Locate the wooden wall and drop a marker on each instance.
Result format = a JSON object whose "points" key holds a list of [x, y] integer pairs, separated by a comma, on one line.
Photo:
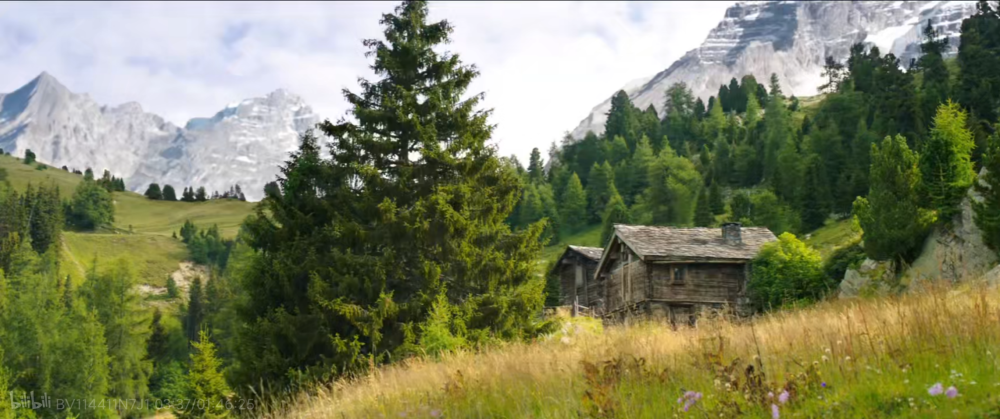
{"points": [[704, 283], [590, 292]]}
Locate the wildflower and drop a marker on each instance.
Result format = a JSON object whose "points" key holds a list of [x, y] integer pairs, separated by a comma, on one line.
{"points": [[783, 397], [770, 395], [436, 413], [689, 399], [825, 359], [935, 389], [847, 358], [775, 414], [952, 392], [823, 384]]}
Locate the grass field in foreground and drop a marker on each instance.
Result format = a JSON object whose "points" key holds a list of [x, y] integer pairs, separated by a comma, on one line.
{"points": [[839, 359]]}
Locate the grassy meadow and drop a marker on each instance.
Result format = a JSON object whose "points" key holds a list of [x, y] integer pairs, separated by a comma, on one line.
{"points": [[862, 358], [142, 230]]}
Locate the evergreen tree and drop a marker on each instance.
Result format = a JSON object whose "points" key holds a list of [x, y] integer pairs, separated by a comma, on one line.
{"points": [[672, 193], [945, 162], [201, 196], [834, 73], [535, 166], [574, 205], [619, 151], [935, 85], [715, 199], [699, 109], [723, 161], [29, 156], [207, 384], [616, 213], [411, 205], [195, 310], [892, 221], [168, 193], [156, 345], [816, 205], [153, 192], [188, 195], [978, 86], [113, 296], [622, 120], [703, 210], [90, 207], [775, 87], [753, 112], [272, 189], [600, 188], [737, 101], [987, 210], [778, 139], [88, 175]]}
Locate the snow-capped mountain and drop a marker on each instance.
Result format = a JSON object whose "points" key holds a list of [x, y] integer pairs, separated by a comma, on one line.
{"points": [[243, 144], [64, 128], [792, 40]]}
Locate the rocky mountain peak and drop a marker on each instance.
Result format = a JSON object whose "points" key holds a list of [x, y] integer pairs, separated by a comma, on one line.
{"points": [[792, 40]]}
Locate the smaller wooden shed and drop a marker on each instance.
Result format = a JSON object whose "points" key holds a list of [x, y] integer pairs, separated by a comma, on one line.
{"points": [[575, 270]]}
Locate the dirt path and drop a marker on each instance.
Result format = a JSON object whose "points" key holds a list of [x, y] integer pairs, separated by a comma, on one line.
{"points": [[72, 257]]}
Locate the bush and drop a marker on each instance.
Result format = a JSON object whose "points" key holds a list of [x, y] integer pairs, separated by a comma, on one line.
{"points": [[787, 272], [29, 156], [843, 258], [41, 167], [91, 207]]}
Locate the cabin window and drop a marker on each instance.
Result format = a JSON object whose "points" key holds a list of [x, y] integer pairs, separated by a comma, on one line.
{"points": [[679, 273], [579, 276]]}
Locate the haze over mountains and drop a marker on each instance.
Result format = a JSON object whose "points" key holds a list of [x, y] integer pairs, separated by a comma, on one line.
{"points": [[792, 40], [242, 144], [245, 142]]}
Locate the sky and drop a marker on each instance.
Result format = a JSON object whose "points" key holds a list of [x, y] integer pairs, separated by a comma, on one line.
{"points": [[544, 65]]}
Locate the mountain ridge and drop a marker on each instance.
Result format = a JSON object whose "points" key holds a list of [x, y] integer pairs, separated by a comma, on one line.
{"points": [[241, 144], [792, 40]]}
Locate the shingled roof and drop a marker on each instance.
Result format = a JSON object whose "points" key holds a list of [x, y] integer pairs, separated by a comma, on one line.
{"points": [[592, 253], [675, 243]]}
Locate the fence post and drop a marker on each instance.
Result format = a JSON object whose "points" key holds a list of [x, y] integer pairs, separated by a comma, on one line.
{"points": [[576, 306]]}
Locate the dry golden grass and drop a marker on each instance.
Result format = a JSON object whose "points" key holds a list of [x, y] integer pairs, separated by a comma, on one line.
{"points": [[847, 358]]}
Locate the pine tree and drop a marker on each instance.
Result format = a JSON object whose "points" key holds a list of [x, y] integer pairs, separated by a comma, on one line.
{"points": [[113, 296], [622, 120], [715, 199], [987, 210], [195, 310], [642, 158], [168, 193], [412, 204], [156, 345], [600, 188], [775, 87], [723, 161], [574, 205], [201, 196], [616, 213], [703, 210], [834, 73], [153, 192], [892, 221], [619, 151], [753, 112], [945, 162], [815, 198], [207, 384], [535, 166], [936, 80]]}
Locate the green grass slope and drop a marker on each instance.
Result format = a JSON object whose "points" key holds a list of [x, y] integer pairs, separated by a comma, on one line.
{"points": [[142, 229]]}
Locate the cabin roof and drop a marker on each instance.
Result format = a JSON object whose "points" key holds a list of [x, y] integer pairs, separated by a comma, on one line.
{"points": [[699, 243], [592, 253]]}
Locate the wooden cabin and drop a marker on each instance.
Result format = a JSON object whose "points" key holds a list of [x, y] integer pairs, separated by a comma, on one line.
{"points": [[676, 273], [575, 270]]}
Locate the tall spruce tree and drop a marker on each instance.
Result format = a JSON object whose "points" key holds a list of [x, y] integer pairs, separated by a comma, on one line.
{"points": [[573, 210], [935, 86], [411, 206], [623, 119], [207, 384], [535, 166], [600, 188], [945, 163], [987, 209], [703, 210], [616, 213], [892, 221]]}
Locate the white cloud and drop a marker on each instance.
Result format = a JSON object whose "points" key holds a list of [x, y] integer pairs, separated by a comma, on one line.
{"points": [[544, 65]]}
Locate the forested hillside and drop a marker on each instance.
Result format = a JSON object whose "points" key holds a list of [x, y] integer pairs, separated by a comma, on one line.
{"points": [[400, 233]]}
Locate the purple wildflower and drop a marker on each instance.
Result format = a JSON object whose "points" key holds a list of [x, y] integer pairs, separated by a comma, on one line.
{"points": [[689, 399], [823, 384], [783, 397], [770, 395], [935, 389], [952, 392], [775, 413]]}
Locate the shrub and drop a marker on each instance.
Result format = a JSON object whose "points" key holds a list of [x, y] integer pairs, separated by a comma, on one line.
{"points": [[786, 272], [29, 156], [91, 207], [172, 290]]}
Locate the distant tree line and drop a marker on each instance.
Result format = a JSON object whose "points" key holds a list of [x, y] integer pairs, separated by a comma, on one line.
{"points": [[189, 194]]}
